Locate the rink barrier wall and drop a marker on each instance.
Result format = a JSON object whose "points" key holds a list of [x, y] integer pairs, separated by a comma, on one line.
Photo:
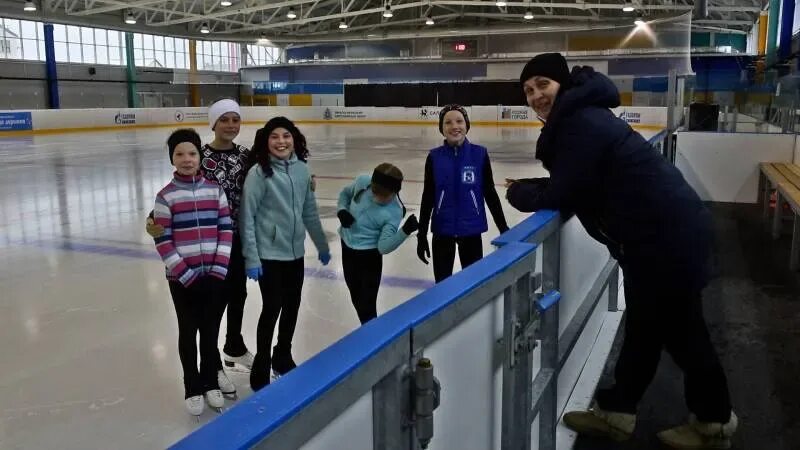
{"points": [[724, 167], [490, 358], [92, 120], [531, 310]]}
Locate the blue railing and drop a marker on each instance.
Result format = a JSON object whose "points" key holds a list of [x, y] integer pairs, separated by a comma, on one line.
{"points": [[252, 419]]}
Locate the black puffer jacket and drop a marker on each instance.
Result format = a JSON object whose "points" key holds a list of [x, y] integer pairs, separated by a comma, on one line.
{"points": [[624, 193]]}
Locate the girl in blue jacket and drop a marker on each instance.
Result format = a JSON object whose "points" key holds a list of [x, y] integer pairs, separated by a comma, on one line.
{"points": [[370, 212], [458, 179], [278, 207]]}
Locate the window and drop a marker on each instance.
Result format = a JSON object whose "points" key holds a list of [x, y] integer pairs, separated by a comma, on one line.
{"points": [[158, 51], [61, 52], [30, 49], [218, 56], [10, 40], [259, 55], [22, 39], [59, 33]]}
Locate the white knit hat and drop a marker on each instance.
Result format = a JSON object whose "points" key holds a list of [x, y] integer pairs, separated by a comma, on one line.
{"points": [[221, 108]]}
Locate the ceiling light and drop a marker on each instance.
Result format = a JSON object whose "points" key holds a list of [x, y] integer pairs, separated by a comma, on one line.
{"points": [[500, 3], [628, 7], [429, 21], [639, 19], [225, 3], [130, 19], [204, 28], [29, 6], [342, 25], [388, 13], [528, 15], [291, 14], [263, 40]]}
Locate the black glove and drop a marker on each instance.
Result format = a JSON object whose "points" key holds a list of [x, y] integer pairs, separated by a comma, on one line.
{"points": [[345, 218], [423, 249], [411, 225]]}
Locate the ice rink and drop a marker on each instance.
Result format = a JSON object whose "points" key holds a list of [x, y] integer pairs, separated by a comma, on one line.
{"points": [[87, 329]]}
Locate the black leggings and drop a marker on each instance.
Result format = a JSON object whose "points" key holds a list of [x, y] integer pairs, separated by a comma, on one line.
{"points": [[362, 273], [235, 295], [199, 309], [281, 287], [470, 250]]}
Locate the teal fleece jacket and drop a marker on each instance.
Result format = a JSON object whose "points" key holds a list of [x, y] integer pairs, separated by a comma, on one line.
{"points": [[277, 211], [376, 225]]}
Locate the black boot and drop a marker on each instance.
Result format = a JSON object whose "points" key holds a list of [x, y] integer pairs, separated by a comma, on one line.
{"points": [[259, 374], [282, 362]]}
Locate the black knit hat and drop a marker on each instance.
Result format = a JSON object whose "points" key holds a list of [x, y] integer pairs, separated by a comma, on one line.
{"points": [[452, 107], [550, 65], [182, 135]]}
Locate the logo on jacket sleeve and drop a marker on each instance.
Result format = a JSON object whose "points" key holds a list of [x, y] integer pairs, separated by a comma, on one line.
{"points": [[468, 175]]}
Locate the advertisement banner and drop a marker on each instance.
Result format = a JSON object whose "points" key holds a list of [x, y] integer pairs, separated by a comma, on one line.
{"points": [[517, 113], [344, 114], [12, 121], [190, 116]]}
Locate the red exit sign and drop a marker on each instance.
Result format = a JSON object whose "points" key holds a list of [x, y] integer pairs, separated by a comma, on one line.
{"points": [[460, 47]]}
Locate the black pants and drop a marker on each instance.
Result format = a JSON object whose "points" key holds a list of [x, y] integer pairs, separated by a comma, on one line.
{"points": [[670, 318], [281, 286], [235, 295], [362, 273], [199, 309], [470, 250]]}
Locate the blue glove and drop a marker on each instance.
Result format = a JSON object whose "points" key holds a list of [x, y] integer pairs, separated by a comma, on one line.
{"points": [[255, 273], [325, 258]]}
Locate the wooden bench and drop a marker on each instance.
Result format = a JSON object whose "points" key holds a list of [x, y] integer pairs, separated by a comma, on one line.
{"points": [[784, 179]]}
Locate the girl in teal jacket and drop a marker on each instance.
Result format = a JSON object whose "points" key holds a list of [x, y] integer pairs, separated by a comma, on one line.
{"points": [[370, 212], [278, 208]]}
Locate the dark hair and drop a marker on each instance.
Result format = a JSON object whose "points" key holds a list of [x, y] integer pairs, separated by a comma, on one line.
{"points": [[391, 176], [259, 152], [386, 180], [452, 107], [180, 136]]}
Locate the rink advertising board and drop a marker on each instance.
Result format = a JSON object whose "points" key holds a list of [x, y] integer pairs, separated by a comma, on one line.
{"points": [[74, 120], [16, 121]]}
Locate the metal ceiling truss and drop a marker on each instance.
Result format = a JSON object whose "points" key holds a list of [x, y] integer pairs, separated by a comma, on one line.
{"points": [[247, 20]]}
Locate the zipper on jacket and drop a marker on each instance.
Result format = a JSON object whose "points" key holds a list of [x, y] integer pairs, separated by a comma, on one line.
{"points": [[441, 197], [456, 167], [197, 221], [294, 216], [474, 202]]}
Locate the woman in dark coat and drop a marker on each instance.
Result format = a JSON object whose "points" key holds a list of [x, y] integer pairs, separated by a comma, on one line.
{"points": [[630, 199]]}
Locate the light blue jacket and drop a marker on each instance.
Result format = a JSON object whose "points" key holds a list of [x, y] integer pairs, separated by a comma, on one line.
{"points": [[277, 211], [376, 225]]}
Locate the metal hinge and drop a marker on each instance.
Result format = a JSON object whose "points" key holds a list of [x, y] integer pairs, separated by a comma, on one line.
{"points": [[426, 392]]}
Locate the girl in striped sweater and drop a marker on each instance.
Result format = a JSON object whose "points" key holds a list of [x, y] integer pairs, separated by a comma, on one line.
{"points": [[196, 249]]}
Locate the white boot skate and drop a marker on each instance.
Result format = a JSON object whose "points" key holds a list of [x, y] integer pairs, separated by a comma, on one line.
{"points": [[215, 399], [245, 362], [195, 406], [226, 385]]}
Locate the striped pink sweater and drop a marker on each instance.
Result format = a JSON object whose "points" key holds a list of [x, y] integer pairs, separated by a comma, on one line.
{"points": [[197, 229]]}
